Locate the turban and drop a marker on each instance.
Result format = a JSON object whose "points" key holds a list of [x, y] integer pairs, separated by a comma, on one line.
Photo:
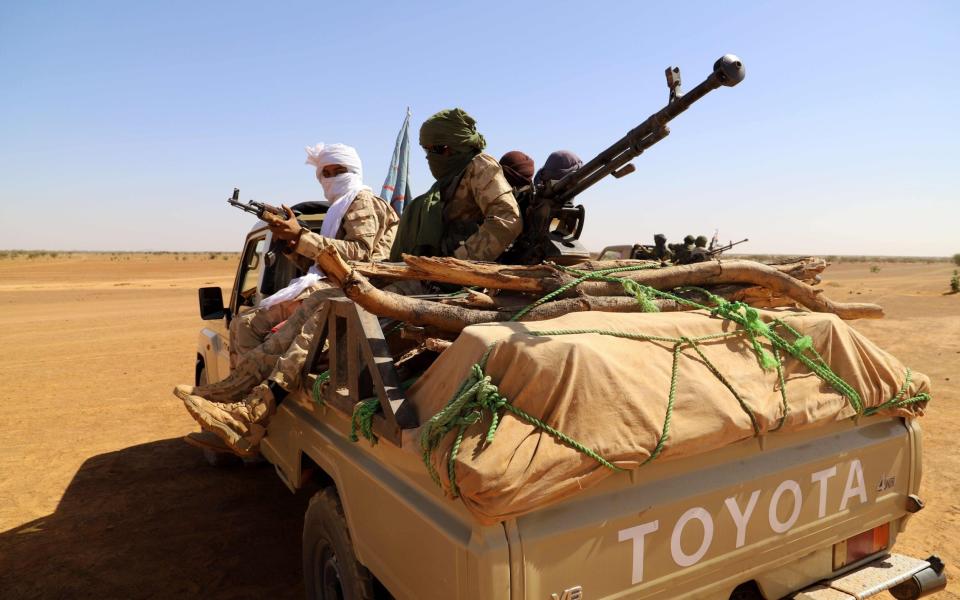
{"points": [[454, 128], [517, 168], [322, 155], [457, 130], [340, 191], [557, 166]]}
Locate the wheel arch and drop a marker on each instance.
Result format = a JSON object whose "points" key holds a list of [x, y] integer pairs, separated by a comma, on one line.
{"points": [[198, 370]]}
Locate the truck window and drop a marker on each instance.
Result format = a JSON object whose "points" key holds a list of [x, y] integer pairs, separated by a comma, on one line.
{"points": [[279, 271], [610, 255], [250, 273]]}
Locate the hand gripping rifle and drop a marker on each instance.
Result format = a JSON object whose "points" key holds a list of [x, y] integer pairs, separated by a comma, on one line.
{"points": [[552, 224]]}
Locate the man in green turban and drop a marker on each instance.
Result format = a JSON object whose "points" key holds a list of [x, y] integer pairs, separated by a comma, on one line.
{"points": [[470, 212]]}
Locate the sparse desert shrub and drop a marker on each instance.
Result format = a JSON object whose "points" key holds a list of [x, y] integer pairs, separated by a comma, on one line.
{"points": [[956, 259], [874, 269], [213, 256], [54, 254], [955, 282], [225, 257]]}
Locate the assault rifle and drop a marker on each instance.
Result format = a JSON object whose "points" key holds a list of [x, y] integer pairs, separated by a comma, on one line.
{"points": [[552, 224], [255, 208]]}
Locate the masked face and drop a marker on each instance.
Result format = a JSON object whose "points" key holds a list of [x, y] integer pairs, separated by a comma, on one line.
{"points": [[448, 162], [337, 186]]}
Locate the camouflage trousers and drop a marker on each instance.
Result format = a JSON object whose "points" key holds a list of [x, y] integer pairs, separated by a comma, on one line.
{"points": [[282, 355], [250, 329]]}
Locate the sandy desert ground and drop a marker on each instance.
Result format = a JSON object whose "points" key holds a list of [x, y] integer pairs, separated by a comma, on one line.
{"points": [[100, 498]]}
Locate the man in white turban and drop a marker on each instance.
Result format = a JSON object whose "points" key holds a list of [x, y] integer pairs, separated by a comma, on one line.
{"points": [[361, 227], [358, 224]]}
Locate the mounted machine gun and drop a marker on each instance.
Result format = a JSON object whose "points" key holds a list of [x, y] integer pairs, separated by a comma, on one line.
{"points": [[552, 224]]}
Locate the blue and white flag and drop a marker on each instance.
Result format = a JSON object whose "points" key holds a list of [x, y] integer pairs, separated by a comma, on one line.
{"points": [[396, 187]]}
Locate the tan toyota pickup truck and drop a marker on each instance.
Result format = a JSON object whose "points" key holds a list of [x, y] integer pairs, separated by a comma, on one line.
{"points": [[811, 515]]}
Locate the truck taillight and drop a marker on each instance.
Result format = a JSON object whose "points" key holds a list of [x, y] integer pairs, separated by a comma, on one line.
{"points": [[860, 546]]}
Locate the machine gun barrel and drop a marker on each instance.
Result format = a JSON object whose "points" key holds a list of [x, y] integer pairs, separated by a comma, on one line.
{"points": [[722, 249], [728, 71]]}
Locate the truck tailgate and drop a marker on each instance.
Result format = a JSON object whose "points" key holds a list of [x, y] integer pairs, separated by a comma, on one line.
{"points": [[699, 526]]}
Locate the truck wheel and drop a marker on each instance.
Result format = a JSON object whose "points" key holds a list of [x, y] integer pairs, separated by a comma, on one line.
{"points": [[330, 568]]}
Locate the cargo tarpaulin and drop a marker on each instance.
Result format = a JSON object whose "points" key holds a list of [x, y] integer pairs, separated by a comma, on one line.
{"points": [[607, 386]]}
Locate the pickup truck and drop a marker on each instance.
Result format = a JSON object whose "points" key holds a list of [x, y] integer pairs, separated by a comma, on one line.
{"points": [[811, 515]]}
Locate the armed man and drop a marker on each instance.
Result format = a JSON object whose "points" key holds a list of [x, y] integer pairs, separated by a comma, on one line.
{"points": [[360, 226], [658, 251], [470, 212], [361, 229], [699, 252], [519, 168]]}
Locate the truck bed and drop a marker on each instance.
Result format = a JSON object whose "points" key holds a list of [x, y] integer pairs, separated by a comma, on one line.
{"points": [[767, 510]]}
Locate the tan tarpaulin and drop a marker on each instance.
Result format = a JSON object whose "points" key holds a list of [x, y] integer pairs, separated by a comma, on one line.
{"points": [[611, 394]]}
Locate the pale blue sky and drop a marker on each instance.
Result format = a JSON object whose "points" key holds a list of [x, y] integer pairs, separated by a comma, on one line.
{"points": [[125, 125]]}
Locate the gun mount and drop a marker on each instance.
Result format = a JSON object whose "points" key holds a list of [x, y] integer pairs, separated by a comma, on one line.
{"points": [[552, 224]]}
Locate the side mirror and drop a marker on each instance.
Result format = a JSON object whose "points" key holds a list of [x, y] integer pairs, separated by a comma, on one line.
{"points": [[211, 304]]}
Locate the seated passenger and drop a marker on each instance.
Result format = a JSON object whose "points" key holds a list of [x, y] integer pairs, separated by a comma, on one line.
{"points": [[518, 168], [360, 226], [557, 166], [357, 223], [470, 211]]}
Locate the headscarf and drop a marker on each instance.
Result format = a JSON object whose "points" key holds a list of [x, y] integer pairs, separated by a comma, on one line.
{"points": [[518, 168], [457, 130], [340, 191], [557, 166]]}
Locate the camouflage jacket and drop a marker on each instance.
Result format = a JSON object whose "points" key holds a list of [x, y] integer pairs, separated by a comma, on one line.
{"points": [[366, 232], [481, 218]]}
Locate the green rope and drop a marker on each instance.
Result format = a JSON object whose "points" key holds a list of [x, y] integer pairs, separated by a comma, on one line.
{"points": [[362, 420], [603, 274], [716, 373], [783, 390], [364, 411], [317, 384], [899, 401], [671, 396], [748, 318], [478, 398]]}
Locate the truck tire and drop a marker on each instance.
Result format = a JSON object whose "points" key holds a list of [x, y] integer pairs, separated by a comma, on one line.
{"points": [[330, 568]]}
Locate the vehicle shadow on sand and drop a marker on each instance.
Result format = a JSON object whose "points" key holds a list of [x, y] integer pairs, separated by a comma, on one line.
{"points": [[155, 521]]}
